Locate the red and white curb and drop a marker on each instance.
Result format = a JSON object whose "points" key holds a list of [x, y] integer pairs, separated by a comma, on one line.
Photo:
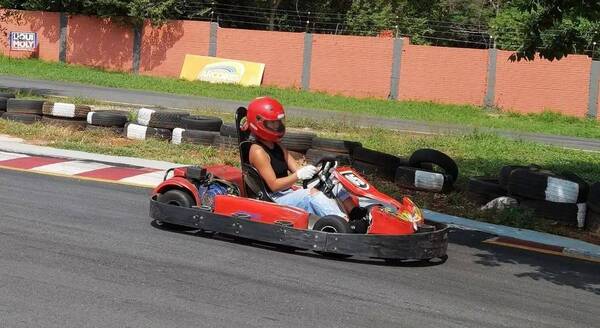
{"points": [[138, 176]]}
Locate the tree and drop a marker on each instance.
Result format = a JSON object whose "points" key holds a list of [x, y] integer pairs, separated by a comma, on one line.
{"points": [[367, 17]]}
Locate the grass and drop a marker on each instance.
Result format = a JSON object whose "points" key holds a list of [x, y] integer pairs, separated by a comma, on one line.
{"points": [[547, 122], [475, 154]]}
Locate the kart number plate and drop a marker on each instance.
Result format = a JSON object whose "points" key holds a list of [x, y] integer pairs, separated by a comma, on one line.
{"points": [[360, 183]]}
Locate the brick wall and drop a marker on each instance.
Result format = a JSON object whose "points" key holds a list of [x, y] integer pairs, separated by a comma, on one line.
{"points": [[532, 87], [99, 42], [445, 75], [281, 52], [351, 65], [164, 48], [47, 26]]}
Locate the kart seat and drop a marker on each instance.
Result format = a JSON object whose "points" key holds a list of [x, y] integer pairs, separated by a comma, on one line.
{"points": [[253, 184]]}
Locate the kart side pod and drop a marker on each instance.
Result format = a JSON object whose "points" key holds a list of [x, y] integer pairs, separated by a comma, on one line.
{"points": [[260, 211]]}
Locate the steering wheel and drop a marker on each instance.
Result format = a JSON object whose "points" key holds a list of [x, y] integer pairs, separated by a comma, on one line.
{"points": [[322, 178]]}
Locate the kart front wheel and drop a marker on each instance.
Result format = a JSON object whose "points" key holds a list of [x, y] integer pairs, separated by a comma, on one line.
{"points": [[332, 224], [175, 197]]}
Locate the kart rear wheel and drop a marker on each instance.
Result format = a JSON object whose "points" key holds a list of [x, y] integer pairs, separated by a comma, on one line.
{"points": [[175, 197]]}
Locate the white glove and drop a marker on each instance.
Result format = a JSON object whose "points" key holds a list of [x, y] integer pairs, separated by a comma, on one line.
{"points": [[306, 172]]}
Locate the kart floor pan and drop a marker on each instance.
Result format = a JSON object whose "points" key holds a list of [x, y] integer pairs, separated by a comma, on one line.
{"points": [[418, 246]]}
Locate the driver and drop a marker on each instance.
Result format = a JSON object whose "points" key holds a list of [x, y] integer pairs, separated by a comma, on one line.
{"points": [[279, 170]]}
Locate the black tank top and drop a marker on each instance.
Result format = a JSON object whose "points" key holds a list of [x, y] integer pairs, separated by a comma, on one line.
{"points": [[278, 162]]}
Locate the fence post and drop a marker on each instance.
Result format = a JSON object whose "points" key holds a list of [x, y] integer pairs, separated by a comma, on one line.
{"points": [[212, 46], [137, 48], [490, 93], [593, 89], [62, 41], [307, 59], [396, 62]]}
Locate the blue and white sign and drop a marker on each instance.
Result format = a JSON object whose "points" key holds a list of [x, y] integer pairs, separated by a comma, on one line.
{"points": [[23, 41]]}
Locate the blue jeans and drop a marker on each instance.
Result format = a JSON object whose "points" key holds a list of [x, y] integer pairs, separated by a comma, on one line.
{"points": [[317, 203]]}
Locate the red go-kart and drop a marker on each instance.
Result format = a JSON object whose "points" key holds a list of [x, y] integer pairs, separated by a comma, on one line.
{"points": [[235, 202]]}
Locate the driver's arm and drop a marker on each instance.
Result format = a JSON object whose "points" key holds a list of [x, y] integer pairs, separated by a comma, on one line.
{"points": [[291, 162], [261, 161]]}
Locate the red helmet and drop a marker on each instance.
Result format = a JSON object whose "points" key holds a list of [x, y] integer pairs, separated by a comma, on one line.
{"points": [[266, 119]]}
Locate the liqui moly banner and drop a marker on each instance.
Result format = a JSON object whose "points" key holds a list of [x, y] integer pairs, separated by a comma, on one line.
{"points": [[23, 41]]}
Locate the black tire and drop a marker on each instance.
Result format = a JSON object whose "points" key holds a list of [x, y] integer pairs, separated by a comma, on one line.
{"points": [[505, 172], [113, 129], [107, 119], [3, 104], [593, 200], [65, 110], [22, 118], [485, 189], [422, 156], [313, 156], [544, 185], [226, 142], [298, 141], [369, 169], [24, 106], [568, 213], [206, 138], [201, 123], [7, 95], [592, 221], [386, 163], [419, 179], [176, 197], [160, 118], [65, 122], [140, 132], [229, 130], [332, 224], [335, 145]]}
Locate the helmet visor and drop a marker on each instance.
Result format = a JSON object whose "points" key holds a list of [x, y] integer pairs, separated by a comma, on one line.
{"points": [[277, 126]]}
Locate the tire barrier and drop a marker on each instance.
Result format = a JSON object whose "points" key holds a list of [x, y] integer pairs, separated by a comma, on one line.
{"points": [[228, 130], [142, 132], [423, 158], [313, 156], [206, 138], [160, 118], [20, 106], [485, 189], [202, 123], [7, 95], [298, 141], [3, 101], [334, 145], [420, 179], [385, 164], [107, 119], [547, 186], [65, 110]]}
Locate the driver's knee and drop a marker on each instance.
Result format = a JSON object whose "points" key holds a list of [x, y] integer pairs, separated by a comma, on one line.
{"points": [[313, 191]]}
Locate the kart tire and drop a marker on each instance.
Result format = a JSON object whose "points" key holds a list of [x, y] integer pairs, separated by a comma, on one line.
{"points": [[201, 123], [3, 104], [422, 156], [229, 130], [24, 106], [141, 132], [206, 138], [484, 189], [505, 172], [546, 186], [113, 129], [7, 95], [175, 197], [332, 224], [298, 141], [335, 145], [313, 156], [386, 163], [593, 200], [419, 179], [65, 110], [107, 119], [22, 118], [73, 123], [569, 213], [160, 118]]}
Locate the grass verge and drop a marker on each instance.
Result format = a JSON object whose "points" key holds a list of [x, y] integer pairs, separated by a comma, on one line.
{"points": [[475, 154], [548, 122]]}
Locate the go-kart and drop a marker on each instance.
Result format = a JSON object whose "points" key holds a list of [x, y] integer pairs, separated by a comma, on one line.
{"points": [[234, 202]]}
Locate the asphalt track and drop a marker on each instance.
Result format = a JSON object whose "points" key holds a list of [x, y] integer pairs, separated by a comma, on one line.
{"points": [[56, 88], [84, 254]]}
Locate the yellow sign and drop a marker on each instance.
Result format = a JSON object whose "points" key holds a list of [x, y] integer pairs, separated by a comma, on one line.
{"points": [[219, 70]]}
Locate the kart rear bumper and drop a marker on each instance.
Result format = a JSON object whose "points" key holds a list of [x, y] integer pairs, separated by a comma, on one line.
{"points": [[418, 246]]}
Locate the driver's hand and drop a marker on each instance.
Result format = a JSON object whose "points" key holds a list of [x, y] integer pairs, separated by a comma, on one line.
{"points": [[306, 172]]}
